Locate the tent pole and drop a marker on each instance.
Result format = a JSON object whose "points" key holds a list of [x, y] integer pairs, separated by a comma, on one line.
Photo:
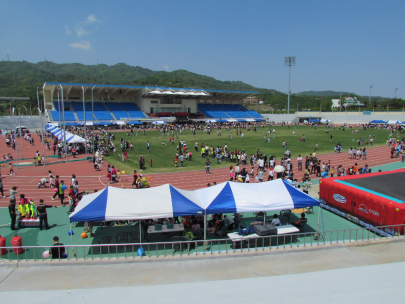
{"points": [[319, 217], [205, 231], [140, 232], [71, 238]]}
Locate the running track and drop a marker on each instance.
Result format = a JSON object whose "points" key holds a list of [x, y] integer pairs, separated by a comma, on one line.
{"points": [[27, 177]]}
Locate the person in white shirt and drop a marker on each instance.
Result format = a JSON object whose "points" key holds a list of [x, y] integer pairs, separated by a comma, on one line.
{"points": [[276, 220]]}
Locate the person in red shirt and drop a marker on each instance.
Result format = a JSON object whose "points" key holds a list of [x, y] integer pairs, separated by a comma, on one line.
{"points": [[355, 170], [175, 162], [72, 193]]}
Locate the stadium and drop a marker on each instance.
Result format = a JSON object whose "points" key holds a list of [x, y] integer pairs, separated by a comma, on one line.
{"points": [[114, 104]]}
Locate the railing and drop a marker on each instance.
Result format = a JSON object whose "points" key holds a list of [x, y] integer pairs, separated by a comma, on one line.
{"points": [[209, 247]]}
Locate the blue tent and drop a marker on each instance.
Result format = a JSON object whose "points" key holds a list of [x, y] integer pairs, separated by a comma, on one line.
{"points": [[241, 119], [113, 204], [378, 122], [233, 197], [135, 122]]}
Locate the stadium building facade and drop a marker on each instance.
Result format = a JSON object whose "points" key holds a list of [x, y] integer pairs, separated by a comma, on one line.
{"points": [[103, 104]]}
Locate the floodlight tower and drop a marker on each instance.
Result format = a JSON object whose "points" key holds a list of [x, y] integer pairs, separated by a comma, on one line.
{"points": [[289, 61]]}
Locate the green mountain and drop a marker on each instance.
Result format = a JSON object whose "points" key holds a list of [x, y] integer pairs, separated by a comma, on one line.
{"points": [[21, 79]]}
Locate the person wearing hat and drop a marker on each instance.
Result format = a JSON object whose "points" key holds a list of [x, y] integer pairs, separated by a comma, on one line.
{"points": [[56, 251]]}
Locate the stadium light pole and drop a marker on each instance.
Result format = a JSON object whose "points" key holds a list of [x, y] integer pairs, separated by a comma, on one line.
{"points": [[369, 95], [63, 116], [59, 108], [92, 117], [15, 139], [289, 61], [38, 98], [85, 126], [19, 116], [396, 93]]}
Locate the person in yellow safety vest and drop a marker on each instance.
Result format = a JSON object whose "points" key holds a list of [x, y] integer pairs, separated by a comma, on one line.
{"points": [[27, 208], [32, 208], [22, 209]]}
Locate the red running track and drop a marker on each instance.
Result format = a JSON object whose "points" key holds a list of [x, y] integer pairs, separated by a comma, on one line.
{"points": [[27, 177]]}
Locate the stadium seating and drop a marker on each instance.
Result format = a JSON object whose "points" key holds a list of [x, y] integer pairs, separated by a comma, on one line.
{"points": [[132, 110], [101, 112], [225, 111], [69, 115], [117, 110], [78, 107]]}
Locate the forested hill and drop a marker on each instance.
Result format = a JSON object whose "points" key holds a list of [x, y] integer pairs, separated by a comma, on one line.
{"points": [[21, 78]]}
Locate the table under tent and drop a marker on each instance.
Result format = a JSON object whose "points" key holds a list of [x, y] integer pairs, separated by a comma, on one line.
{"points": [[166, 201]]}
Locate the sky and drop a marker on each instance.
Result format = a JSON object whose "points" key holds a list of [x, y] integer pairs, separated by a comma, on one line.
{"points": [[339, 45]]}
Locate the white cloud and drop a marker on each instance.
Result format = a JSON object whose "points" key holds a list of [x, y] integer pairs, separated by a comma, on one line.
{"points": [[91, 19], [80, 31], [84, 45], [166, 67], [67, 31]]}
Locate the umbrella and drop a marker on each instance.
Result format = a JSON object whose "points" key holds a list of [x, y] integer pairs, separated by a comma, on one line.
{"points": [[279, 168]]}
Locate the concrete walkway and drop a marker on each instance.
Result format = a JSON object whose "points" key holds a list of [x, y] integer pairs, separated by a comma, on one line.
{"points": [[365, 274]]}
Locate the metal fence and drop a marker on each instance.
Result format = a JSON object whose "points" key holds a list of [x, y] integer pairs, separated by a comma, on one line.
{"points": [[204, 248]]}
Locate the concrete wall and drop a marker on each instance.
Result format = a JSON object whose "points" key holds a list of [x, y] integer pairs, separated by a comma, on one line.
{"points": [[32, 123], [354, 117], [287, 118]]}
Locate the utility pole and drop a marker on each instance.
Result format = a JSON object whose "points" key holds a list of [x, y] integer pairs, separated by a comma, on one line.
{"points": [[15, 139], [64, 127], [85, 126], [289, 61], [369, 96], [92, 117], [21, 136]]}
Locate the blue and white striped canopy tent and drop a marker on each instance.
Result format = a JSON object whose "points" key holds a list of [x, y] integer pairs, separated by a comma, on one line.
{"points": [[54, 131], [70, 138], [231, 197], [49, 125], [158, 122], [113, 204], [51, 128]]}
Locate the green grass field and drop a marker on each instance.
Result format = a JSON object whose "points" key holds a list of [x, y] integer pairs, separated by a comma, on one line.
{"points": [[163, 156]]}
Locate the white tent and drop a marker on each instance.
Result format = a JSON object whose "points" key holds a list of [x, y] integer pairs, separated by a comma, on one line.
{"points": [[393, 122], [112, 204]]}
